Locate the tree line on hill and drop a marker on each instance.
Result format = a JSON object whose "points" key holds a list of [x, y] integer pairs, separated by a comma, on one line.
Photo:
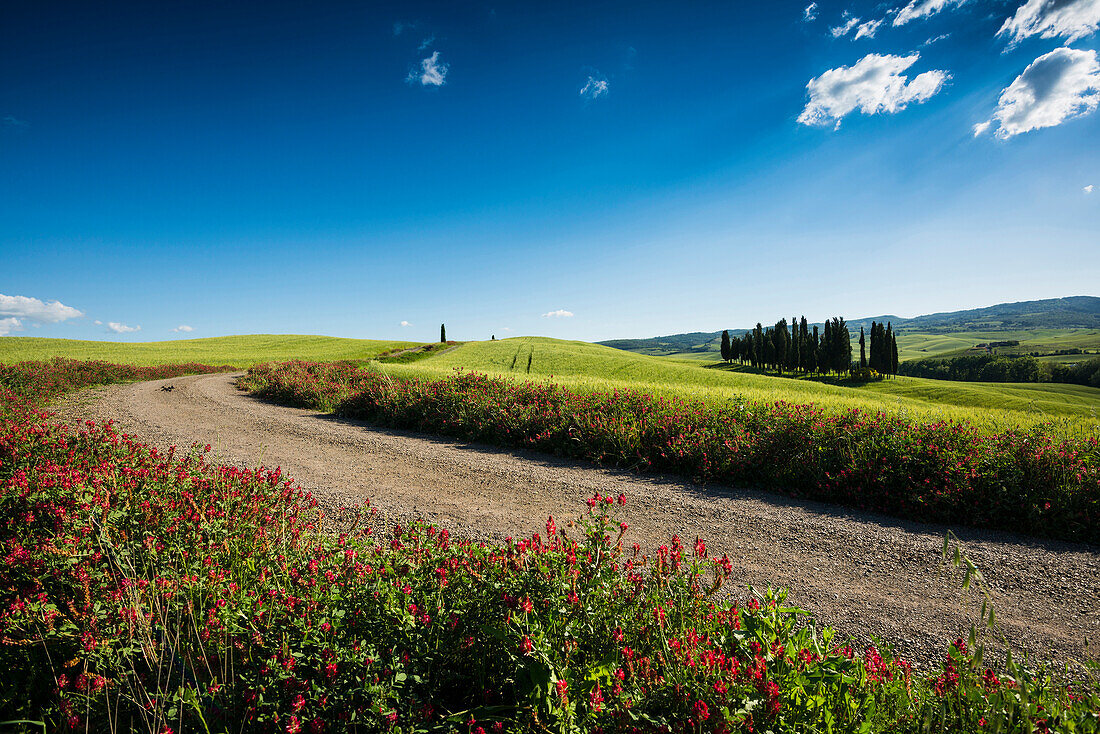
{"points": [[797, 347], [1004, 368]]}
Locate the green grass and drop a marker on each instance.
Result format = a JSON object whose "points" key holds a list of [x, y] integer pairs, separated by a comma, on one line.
{"points": [[584, 365], [921, 346], [242, 351]]}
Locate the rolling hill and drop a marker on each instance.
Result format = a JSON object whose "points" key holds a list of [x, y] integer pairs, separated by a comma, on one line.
{"points": [[1045, 325]]}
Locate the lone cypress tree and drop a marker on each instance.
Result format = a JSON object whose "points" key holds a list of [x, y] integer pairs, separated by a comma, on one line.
{"points": [[862, 350], [442, 333], [725, 346]]}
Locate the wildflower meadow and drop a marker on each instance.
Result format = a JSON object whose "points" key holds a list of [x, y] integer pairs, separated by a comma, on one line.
{"points": [[153, 590]]}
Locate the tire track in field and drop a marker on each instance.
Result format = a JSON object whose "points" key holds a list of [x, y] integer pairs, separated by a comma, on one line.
{"points": [[865, 574]]}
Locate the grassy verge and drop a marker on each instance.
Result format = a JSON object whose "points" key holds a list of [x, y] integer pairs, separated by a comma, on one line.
{"points": [[147, 591]]}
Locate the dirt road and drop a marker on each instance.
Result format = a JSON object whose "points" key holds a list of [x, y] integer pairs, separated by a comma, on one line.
{"points": [[865, 574]]}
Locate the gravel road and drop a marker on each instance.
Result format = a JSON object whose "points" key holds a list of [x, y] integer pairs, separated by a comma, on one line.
{"points": [[865, 574]]}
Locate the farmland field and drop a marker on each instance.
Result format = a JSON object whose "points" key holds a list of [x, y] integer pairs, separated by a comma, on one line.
{"points": [[236, 350], [583, 365]]}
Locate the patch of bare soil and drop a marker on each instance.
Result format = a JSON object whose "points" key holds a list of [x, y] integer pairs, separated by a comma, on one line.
{"points": [[862, 573]]}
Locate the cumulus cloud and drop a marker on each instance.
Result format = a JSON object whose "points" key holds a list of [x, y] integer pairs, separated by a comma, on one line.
{"points": [[867, 30], [873, 84], [405, 323], [432, 72], [1069, 19], [11, 324], [848, 24], [810, 13], [981, 127], [1055, 87], [184, 328], [917, 9], [1087, 189], [561, 313], [121, 328], [595, 87], [32, 309]]}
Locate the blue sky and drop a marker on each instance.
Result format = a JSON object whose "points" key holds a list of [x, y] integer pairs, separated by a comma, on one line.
{"points": [[584, 171]]}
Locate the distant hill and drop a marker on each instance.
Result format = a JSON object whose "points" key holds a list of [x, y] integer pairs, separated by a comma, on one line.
{"points": [[1074, 312]]}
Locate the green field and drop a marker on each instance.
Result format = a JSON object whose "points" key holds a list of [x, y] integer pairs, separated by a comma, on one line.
{"points": [[241, 351], [584, 365], [921, 346]]}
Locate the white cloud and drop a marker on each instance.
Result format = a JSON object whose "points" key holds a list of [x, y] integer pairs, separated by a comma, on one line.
{"points": [[1071, 19], [867, 29], [981, 127], [121, 328], [405, 323], [184, 327], [594, 87], [848, 24], [507, 328], [35, 310], [1087, 189], [561, 313], [97, 322], [937, 39], [11, 324], [426, 43], [873, 84], [400, 27], [917, 9], [1055, 87], [810, 13], [432, 72]]}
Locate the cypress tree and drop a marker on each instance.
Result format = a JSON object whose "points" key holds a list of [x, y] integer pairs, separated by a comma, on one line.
{"points": [[824, 358], [862, 350], [873, 361], [758, 344], [893, 354], [442, 333], [815, 353], [844, 347], [726, 346], [887, 350], [804, 346], [793, 351], [781, 339]]}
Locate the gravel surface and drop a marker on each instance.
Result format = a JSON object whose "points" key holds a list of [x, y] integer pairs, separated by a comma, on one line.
{"points": [[863, 573]]}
